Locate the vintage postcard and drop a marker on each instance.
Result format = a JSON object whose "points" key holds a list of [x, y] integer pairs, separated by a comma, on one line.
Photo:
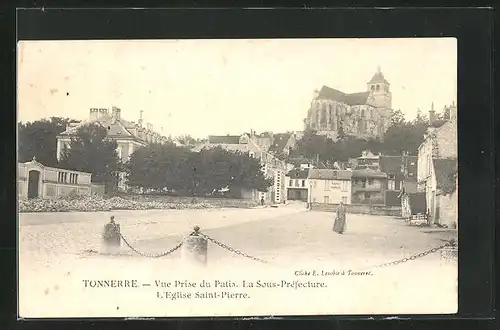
{"points": [[243, 178]]}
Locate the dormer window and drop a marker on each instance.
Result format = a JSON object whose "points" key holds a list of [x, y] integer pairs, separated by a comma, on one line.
{"points": [[391, 176], [244, 139]]}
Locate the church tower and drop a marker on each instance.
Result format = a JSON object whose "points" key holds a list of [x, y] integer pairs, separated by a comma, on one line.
{"points": [[380, 93]]}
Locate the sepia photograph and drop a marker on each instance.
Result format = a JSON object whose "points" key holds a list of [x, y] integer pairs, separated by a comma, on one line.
{"points": [[237, 177]]}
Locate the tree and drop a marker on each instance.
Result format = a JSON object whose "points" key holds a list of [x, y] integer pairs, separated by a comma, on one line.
{"points": [[158, 167], [189, 173], [39, 139], [398, 118], [187, 140], [91, 151]]}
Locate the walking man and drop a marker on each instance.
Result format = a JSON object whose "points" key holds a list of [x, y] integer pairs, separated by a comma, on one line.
{"points": [[339, 225]]}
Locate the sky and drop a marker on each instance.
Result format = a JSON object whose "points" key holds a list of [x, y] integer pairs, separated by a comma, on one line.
{"points": [[219, 87]]}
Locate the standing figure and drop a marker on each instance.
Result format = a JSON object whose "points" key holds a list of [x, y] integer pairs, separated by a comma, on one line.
{"points": [[111, 233], [339, 225], [262, 201]]}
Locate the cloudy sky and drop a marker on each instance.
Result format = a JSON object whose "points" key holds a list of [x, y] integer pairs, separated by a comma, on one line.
{"points": [[203, 87]]}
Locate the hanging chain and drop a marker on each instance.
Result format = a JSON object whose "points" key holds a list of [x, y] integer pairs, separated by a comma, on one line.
{"points": [[419, 255], [450, 243], [233, 250], [151, 255]]}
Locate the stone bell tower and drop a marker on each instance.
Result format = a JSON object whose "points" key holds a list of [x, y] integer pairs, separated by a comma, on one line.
{"points": [[380, 93]]}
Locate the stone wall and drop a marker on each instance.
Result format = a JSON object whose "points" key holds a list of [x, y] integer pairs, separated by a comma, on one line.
{"points": [[394, 211]]}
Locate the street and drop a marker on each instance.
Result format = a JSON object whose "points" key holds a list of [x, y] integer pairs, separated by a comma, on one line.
{"points": [[53, 245], [269, 233]]}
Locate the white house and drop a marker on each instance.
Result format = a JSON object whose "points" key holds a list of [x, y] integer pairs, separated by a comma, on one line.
{"points": [[328, 186], [36, 180], [128, 135], [297, 184], [437, 161]]}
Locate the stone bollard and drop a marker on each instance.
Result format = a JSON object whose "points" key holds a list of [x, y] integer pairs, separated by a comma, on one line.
{"points": [[111, 237], [194, 249]]}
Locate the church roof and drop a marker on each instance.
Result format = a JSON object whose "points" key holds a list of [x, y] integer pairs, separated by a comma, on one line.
{"points": [[378, 77], [328, 93]]}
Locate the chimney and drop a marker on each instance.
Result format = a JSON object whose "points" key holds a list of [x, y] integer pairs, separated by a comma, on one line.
{"points": [[116, 113], [140, 118], [453, 111], [102, 112], [93, 114], [432, 115]]}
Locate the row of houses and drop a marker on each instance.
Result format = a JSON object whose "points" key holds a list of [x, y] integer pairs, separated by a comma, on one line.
{"points": [[424, 186], [371, 179]]}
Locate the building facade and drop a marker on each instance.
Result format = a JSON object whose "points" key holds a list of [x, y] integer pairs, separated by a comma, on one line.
{"points": [[297, 184], [363, 115], [368, 187], [437, 154], [128, 135], [328, 186], [38, 181]]}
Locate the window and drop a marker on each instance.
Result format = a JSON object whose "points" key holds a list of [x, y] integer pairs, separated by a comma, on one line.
{"points": [[344, 199], [391, 176], [391, 185], [327, 200], [119, 152], [290, 183], [367, 195], [297, 184], [303, 183], [370, 182], [345, 185], [327, 186]]}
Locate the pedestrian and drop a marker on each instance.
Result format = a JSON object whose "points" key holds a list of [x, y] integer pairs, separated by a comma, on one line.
{"points": [[339, 225], [262, 201]]}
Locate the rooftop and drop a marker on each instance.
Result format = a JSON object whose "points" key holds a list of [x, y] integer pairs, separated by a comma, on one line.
{"points": [[328, 93], [279, 142], [224, 139], [329, 174], [298, 174]]}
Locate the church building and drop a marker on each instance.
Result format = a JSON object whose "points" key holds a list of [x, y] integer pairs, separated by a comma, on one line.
{"points": [[363, 115]]}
